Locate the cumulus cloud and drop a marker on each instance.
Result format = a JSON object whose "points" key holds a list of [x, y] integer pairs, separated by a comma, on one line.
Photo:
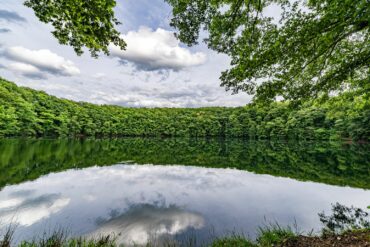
{"points": [[150, 50], [4, 30], [186, 95], [26, 70], [11, 16], [38, 63]]}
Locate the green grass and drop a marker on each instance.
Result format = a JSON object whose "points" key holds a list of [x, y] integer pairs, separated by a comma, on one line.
{"points": [[7, 237], [59, 239], [268, 236], [274, 234], [239, 241]]}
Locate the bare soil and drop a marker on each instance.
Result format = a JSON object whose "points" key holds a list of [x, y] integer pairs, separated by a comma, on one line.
{"points": [[349, 239]]}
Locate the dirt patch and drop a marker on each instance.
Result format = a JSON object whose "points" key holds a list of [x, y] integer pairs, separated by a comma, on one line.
{"points": [[350, 239]]}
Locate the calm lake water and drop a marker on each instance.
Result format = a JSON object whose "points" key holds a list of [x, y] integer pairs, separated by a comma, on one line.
{"points": [[144, 189]]}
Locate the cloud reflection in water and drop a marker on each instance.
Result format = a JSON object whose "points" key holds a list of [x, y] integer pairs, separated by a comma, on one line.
{"points": [[24, 210], [144, 222], [142, 201]]}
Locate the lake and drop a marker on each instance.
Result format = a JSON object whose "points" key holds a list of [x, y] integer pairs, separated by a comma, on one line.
{"points": [[156, 189]]}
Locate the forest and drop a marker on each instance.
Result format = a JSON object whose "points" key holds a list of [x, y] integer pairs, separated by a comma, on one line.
{"points": [[30, 113]]}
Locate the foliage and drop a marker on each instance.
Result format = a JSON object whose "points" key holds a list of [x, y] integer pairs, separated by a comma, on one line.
{"points": [[274, 234], [80, 24], [339, 164], [344, 218], [316, 47], [27, 112], [60, 239], [239, 241]]}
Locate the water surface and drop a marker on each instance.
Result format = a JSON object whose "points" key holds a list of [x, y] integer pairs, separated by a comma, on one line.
{"points": [[145, 189]]}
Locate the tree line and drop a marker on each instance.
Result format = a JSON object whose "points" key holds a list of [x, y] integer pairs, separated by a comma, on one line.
{"points": [[28, 112]]}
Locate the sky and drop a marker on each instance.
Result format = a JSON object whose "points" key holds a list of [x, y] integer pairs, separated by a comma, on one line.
{"points": [[156, 70]]}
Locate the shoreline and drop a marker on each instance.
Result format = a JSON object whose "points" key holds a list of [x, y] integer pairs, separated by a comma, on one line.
{"points": [[272, 236]]}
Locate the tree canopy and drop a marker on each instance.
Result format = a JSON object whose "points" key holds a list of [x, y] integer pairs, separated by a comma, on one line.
{"points": [[27, 112], [81, 23], [316, 47]]}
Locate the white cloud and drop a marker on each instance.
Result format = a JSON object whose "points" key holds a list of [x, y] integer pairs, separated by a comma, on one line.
{"points": [[184, 94], [35, 63], [26, 70], [5, 30], [156, 50], [11, 16], [99, 76], [103, 81]]}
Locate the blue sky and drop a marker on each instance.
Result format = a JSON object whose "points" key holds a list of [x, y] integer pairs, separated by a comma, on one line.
{"points": [[155, 71]]}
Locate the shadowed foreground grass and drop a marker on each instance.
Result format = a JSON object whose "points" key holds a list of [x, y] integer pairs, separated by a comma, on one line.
{"points": [[269, 236], [59, 238]]}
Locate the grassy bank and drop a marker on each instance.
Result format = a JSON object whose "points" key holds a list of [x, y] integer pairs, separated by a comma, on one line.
{"points": [[359, 238], [268, 237]]}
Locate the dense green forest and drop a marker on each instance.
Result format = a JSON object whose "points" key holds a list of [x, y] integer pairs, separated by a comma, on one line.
{"points": [[27, 112], [340, 164]]}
